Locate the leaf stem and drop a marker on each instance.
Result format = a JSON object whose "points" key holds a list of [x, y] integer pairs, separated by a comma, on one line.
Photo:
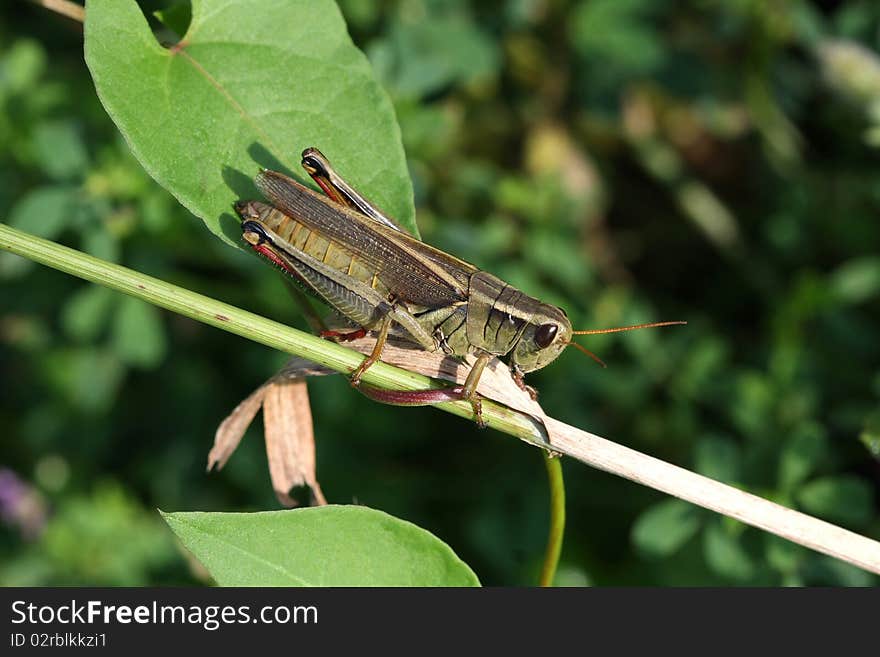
{"points": [[557, 518], [65, 8]]}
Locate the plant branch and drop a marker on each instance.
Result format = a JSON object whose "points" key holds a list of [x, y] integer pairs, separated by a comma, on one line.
{"points": [[581, 445], [557, 519], [246, 324], [65, 8]]}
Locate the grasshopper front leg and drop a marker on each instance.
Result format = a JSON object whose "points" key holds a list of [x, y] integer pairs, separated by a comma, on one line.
{"points": [[398, 313], [375, 355], [517, 374]]}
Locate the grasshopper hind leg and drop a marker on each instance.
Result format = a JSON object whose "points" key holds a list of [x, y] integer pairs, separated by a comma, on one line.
{"points": [[344, 336], [466, 392]]}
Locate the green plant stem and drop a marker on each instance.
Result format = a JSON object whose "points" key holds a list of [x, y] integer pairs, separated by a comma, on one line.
{"points": [[571, 441], [553, 462], [251, 326]]}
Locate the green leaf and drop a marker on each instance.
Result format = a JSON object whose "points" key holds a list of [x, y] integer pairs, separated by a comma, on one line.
{"points": [[871, 440], [105, 538], [23, 65], [101, 244], [87, 378], [870, 437], [618, 33], [783, 555], [857, 280], [248, 86], [801, 455], [725, 555], [845, 498], [86, 312], [422, 57], [44, 212], [321, 546], [718, 458], [60, 150], [138, 336], [665, 527], [833, 572]]}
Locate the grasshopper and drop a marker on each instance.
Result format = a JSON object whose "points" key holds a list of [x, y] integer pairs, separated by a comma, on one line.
{"points": [[363, 264]]}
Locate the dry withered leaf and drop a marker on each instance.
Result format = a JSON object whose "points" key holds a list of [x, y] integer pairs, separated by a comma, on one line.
{"points": [[231, 430], [287, 417], [290, 438]]}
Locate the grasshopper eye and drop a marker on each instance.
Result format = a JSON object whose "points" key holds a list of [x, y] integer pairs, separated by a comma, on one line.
{"points": [[545, 334]]}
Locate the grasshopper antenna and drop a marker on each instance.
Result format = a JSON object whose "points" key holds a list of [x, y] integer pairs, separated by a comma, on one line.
{"points": [[589, 353], [618, 329]]}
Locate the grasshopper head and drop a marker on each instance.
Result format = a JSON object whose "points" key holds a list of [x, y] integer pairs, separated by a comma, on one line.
{"points": [[547, 334]]}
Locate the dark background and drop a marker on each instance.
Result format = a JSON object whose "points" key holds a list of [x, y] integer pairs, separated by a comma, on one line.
{"points": [[629, 160]]}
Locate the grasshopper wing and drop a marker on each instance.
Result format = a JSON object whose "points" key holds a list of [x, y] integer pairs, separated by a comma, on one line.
{"points": [[412, 270]]}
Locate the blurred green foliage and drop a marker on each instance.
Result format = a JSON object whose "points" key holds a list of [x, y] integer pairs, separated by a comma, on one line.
{"points": [[629, 160]]}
